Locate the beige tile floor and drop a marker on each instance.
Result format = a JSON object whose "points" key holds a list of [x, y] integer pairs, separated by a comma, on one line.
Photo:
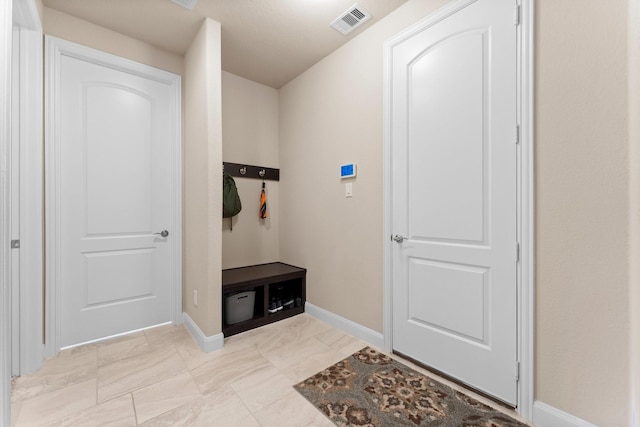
{"points": [[160, 377]]}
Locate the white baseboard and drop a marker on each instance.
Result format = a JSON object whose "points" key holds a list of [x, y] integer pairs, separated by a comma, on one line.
{"points": [[547, 416], [357, 330], [207, 344]]}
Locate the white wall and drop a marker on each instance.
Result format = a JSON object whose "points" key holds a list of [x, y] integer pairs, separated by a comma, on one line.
{"points": [[582, 208], [331, 115], [70, 28], [250, 136], [202, 217]]}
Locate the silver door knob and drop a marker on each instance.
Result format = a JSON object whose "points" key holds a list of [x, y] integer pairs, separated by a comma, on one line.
{"points": [[398, 238], [163, 233]]}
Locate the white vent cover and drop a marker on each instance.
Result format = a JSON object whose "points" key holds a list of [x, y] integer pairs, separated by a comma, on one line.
{"points": [[187, 4], [351, 19]]}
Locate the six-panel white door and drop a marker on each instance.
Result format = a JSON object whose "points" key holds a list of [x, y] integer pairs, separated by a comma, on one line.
{"points": [[453, 138], [116, 145]]}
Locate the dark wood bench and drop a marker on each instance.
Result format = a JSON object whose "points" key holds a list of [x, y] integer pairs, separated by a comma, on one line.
{"points": [[271, 281]]}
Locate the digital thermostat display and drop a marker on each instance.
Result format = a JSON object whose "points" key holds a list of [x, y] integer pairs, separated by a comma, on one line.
{"points": [[348, 170]]}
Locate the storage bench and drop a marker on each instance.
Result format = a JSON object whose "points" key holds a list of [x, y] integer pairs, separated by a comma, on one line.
{"points": [[280, 285]]}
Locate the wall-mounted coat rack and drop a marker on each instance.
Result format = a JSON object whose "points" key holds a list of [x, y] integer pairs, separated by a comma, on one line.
{"points": [[249, 171]]}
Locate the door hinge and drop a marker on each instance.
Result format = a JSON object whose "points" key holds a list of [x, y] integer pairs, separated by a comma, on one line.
{"points": [[516, 371], [15, 244], [517, 251], [517, 134], [516, 15]]}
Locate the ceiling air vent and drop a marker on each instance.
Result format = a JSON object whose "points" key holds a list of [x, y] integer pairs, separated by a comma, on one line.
{"points": [[351, 19], [187, 4]]}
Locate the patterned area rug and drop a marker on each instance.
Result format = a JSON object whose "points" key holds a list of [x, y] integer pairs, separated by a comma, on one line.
{"points": [[370, 389]]}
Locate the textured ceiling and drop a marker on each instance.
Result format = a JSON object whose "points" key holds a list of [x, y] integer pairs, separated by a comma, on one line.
{"points": [[267, 41]]}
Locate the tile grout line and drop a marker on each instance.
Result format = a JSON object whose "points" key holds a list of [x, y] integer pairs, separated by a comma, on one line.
{"points": [[186, 369], [65, 416], [251, 413], [140, 387], [186, 365], [135, 412]]}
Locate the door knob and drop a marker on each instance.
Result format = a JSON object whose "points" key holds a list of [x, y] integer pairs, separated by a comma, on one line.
{"points": [[398, 238], [163, 233]]}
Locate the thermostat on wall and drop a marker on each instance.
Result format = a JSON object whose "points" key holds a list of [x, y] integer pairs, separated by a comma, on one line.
{"points": [[348, 170]]}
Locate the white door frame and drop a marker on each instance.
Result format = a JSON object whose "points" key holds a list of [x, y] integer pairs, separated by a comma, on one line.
{"points": [[28, 307], [525, 187], [5, 232], [24, 15], [55, 50]]}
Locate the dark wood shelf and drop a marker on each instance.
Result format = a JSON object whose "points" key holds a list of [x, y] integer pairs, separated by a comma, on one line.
{"points": [[274, 279]]}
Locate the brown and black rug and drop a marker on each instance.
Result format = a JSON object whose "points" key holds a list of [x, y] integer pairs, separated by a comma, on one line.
{"points": [[370, 389]]}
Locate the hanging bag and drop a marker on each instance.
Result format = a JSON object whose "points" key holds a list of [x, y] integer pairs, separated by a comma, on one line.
{"points": [[231, 204]]}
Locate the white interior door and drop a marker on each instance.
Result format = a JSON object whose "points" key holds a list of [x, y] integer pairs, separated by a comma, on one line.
{"points": [[115, 162], [453, 139]]}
